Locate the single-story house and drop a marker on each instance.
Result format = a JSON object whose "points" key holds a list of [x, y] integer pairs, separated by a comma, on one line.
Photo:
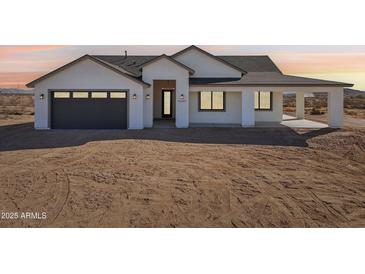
{"points": [[187, 88]]}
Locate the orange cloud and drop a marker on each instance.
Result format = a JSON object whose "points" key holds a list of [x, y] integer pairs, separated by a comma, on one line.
{"points": [[320, 62], [8, 51], [18, 79]]}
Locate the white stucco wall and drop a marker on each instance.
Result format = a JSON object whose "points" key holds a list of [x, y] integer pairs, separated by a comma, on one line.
{"points": [[248, 108], [231, 115], [164, 69], [234, 107], [276, 115], [206, 66], [88, 75]]}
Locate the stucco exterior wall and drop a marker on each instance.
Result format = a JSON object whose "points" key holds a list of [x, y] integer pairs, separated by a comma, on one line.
{"points": [[206, 66], [231, 115], [335, 107], [276, 115], [164, 69], [88, 75]]}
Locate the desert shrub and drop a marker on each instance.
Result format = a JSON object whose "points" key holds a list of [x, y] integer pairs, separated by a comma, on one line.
{"points": [[316, 111], [360, 96], [16, 104]]}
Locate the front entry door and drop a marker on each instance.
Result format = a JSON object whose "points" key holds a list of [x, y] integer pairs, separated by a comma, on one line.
{"points": [[167, 103]]}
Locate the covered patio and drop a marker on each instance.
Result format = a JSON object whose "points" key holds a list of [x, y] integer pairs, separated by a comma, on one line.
{"points": [[287, 122], [277, 84]]}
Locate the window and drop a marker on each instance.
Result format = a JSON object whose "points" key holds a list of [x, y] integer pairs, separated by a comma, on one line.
{"points": [[80, 94], [211, 101], [99, 95], [61, 95], [117, 95], [263, 100]]}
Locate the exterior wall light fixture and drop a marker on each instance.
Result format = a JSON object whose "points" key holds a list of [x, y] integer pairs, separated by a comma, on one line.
{"points": [[134, 96], [41, 96], [182, 96], [148, 96]]}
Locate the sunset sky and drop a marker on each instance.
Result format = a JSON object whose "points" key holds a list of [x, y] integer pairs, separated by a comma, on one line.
{"points": [[21, 64]]}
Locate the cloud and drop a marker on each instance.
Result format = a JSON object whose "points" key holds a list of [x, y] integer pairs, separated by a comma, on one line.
{"points": [[21, 64], [320, 62], [17, 79], [11, 51]]}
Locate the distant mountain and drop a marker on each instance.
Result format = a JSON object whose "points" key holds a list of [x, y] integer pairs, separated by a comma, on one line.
{"points": [[15, 91], [349, 92]]}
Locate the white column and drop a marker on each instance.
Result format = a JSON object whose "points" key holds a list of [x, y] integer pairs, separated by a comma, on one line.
{"points": [[148, 107], [299, 105], [335, 108], [135, 108], [182, 102], [248, 108], [42, 112]]}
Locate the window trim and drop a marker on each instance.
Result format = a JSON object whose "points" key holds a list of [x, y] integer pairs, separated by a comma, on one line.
{"points": [[211, 110], [271, 102]]}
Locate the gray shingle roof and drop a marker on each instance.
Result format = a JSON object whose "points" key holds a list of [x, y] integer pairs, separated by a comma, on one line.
{"points": [[252, 63], [261, 71], [266, 78], [133, 63]]}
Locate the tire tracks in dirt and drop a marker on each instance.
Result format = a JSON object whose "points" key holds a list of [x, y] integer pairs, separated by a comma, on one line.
{"points": [[66, 198]]}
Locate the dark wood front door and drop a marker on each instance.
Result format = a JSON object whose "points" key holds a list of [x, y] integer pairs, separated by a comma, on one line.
{"points": [[167, 103]]}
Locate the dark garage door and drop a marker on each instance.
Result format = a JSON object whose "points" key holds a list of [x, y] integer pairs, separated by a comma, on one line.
{"points": [[89, 110]]}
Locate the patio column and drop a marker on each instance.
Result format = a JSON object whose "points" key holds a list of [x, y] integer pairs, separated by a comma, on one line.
{"points": [[299, 105], [335, 108], [248, 108]]}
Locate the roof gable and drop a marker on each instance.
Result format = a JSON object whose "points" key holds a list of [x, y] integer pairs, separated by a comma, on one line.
{"points": [[209, 55], [112, 67], [164, 56]]}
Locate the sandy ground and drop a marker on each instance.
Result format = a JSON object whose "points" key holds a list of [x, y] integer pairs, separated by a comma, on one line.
{"points": [[182, 177]]}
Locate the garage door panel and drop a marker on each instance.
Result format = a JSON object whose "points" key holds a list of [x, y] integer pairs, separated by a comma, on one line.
{"points": [[89, 113]]}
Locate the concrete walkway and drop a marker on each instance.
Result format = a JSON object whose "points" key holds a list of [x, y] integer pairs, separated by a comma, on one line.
{"points": [[288, 121], [293, 122]]}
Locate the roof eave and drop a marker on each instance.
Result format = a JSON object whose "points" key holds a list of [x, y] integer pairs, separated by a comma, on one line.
{"points": [[274, 85], [103, 63]]}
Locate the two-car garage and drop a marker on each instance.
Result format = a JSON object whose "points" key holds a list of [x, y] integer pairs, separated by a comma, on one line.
{"points": [[89, 109], [89, 93]]}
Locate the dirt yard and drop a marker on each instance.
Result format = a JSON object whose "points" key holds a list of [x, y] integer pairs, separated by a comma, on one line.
{"points": [[181, 178]]}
